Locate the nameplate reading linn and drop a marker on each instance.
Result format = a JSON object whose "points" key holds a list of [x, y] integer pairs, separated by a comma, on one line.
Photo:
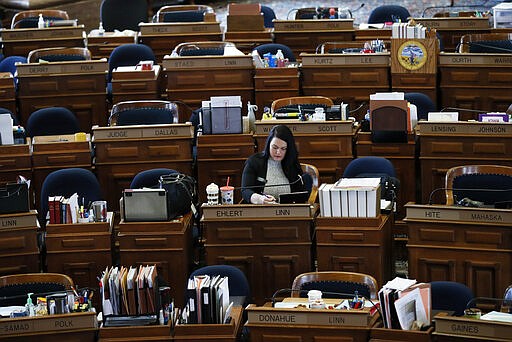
{"points": [[476, 328], [464, 128], [238, 211], [59, 68], [484, 59], [151, 29], [180, 63], [307, 127], [55, 323], [372, 59], [459, 214], [39, 34], [455, 23], [19, 220], [142, 131], [314, 25]]}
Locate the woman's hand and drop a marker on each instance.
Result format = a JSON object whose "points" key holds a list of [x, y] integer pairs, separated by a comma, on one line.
{"points": [[262, 199]]}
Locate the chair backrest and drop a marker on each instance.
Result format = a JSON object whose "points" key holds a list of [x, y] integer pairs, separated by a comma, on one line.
{"points": [[52, 121], [311, 182], [182, 13], [129, 55], [123, 15], [273, 47], [268, 16], [486, 43], [150, 112], [14, 288], [497, 179], [30, 19], [59, 54], [149, 178], [507, 300], [423, 102], [388, 13], [340, 284], [369, 165], [8, 64], [207, 48], [300, 100], [450, 296]]}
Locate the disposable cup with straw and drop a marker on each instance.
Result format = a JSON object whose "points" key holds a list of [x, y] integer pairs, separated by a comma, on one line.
{"points": [[226, 192]]}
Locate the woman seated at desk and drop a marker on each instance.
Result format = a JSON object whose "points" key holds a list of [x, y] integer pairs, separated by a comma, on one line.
{"points": [[274, 171]]}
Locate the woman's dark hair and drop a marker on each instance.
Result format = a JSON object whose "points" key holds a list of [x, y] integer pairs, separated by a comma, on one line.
{"points": [[290, 163]]}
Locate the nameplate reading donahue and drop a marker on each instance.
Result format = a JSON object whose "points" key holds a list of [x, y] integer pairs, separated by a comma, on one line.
{"points": [[143, 131], [305, 316], [19, 220], [24, 34], [474, 59], [242, 211], [54, 323], [460, 214], [460, 23], [314, 25], [194, 62], [59, 68], [464, 128], [373, 59], [307, 127], [151, 29], [476, 328]]}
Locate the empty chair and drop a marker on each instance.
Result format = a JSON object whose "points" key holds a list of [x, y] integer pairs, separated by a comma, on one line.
{"points": [[486, 43], [268, 16], [123, 15], [309, 102], [273, 47], [149, 178], [507, 300], [183, 13], [59, 54], [388, 13], [335, 284], [8, 64], [30, 19], [450, 296], [424, 104], [143, 113], [52, 121], [207, 48]]}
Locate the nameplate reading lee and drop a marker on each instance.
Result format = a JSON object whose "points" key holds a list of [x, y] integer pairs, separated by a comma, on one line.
{"points": [[373, 59]]}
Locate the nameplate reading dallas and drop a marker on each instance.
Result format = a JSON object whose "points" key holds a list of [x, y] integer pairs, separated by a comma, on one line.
{"points": [[213, 212], [143, 131]]}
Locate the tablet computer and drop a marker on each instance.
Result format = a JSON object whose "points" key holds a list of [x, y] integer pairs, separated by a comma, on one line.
{"points": [[294, 197]]}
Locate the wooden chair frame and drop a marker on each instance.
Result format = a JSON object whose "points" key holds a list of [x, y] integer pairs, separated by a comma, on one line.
{"points": [[286, 101], [465, 40], [315, 176], [174, 8], [35, 55], [35, 13]]}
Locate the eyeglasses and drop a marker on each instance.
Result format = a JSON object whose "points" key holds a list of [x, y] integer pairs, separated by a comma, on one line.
{"points": [[275, 148]]}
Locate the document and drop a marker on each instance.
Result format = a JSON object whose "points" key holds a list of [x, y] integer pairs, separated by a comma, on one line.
{"points": [[410, 308]]}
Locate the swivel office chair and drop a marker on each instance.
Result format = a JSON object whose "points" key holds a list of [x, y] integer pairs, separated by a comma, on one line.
{"points": [[149, 178], [52, 121], [311, 178], [150, 112], [388, 13], [30, 18], [273, 47], [8, 64], [59, 54], [268, 16], [123, 15], [182, 13], [424, 104], [450, 296], [206, 48], [309, 102]]}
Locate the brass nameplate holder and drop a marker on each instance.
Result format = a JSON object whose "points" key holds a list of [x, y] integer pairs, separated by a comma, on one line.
{"points": [[59, 68], [443, 213], [185, 130], [474, 59], [151, 29], [24, 34], [245, 211], [334, 59], [455, 23], [306, 127], [314, 25], [180, 63], [19, 220], [475, 328], [464, 128], [51, 323]]}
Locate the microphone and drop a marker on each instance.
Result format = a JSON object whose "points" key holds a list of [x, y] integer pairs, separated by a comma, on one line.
{"points": [[452, 5], [506, 301], [467, 202], [341, 295], [463, 110], [265, 181], [490, 46]]}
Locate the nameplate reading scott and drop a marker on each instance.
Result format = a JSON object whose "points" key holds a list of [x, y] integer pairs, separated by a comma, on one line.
{"points": [[30, 325], [307, 127], [455, 23], [143, 131], [194, 62], [314, 25], [465, 128], [459, 214], [20, 220], [373, 59], [473, 59], [80, 67], [149, 29], [238, 211], [39, 34]]}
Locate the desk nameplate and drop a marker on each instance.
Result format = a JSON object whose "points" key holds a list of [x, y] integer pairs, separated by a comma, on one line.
{"points": [[464, 128], [19, 220], [443, 213], [194, 62], [143, 131], [313, 25], [51, 323], [306, 127], [79, 67], [173, 28], [455, 23], [474, 328], [473, 59], [374, 59], [244, 211], [28, 34]]}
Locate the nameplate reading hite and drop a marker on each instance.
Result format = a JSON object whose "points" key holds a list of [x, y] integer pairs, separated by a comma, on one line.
{"points": [[21, 220], [239, 211], [459, 214], [54, 323], [142, 131], [455, 23], [39, 34], [179, 63], [314, 25], [476, 328], [81, 67], [465, 128], [149, 29], [308, 127], [487, 59], [373, 59]]}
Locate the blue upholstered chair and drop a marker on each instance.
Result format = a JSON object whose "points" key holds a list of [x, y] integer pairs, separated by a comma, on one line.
{"points": [[424, 104], [339, 284], [507, 300], [273, 47], [149, 178], [59, 54], [8, 64], [30, 18], [207, 48], [52, 121], [182, 13], [450, 296], [123, 15], [150, 112], [268, 16], [388, 13]]}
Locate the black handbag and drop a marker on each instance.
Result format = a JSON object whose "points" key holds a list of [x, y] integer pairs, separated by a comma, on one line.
{"points": [[181, 193], [14, 198]]}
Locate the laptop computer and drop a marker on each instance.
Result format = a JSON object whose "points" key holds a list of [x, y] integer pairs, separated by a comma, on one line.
{"points": [[294, 197]]}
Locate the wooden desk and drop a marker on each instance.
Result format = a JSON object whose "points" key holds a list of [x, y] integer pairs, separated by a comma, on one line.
{"points": [[270, 243], [348, 78], [274, 83], [19, 42], [163, 37], [361, 245], [459, 329], [158, 333], [136, 85], [445, 144], [15, 160], [124, 151], [19, 252], [102, 46], [80, 326], [303, 35], [197, 78], [324, 144], [220, 156], [246, 41], [368, 34], [472, 246], [396, 335], [80, 86], [168, 245], [475, 81], [7, 92]]}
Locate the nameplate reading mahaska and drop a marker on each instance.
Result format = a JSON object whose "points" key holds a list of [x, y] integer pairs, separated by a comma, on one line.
{"points": [[443, 213]]}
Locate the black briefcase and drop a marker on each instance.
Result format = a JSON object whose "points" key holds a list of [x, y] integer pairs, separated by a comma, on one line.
{"points": [[14, 198]]}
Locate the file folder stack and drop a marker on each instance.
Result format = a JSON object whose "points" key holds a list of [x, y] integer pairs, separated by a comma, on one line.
{"points": [[207, 300]]}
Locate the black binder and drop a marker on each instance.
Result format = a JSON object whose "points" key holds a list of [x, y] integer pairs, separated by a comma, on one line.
{"points": [[14, 198]]}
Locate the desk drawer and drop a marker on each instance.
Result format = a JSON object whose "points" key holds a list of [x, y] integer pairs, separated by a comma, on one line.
{"points": [[347, 237], [64, 158], [151, 241], [147, 150], [17, 264], [78, 242], [62, 84], [18, 241]]}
